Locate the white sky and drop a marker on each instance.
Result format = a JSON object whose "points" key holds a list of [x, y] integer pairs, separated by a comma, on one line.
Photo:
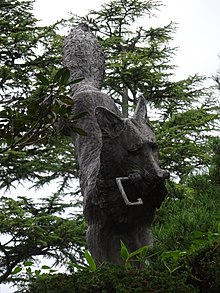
{"points": [[197, 37]]}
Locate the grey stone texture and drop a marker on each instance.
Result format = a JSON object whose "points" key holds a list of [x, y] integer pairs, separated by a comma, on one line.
{"points": [[120, 178]]}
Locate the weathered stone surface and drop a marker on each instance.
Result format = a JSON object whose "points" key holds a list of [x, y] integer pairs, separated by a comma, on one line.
{"points": [[83, 56], [120, 178]]}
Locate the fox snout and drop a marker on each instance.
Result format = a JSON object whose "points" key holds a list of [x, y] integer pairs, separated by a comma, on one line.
{"points": [[163, 174], [149, 176], [156, 174]]}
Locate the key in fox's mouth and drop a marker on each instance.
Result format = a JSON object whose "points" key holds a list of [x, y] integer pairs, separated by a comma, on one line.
{"points": [[140, 188], [123, 193]]}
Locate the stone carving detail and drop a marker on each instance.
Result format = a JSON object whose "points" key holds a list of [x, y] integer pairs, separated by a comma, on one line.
{"points": [[83, 56], [120, 178]]}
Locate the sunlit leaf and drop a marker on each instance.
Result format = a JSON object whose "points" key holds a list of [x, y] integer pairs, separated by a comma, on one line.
{"points": [[90, 260], [16, 270], [28, 270], [44, 267], [37, 273], [124, 251], [142, 251], [28, 263]]}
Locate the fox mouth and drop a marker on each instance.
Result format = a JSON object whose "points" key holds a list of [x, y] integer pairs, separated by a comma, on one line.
{"points": [[119, 180], [135, 189]]}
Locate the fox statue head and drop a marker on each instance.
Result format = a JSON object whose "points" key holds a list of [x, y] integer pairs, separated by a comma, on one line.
{"points": [[129, 149]]}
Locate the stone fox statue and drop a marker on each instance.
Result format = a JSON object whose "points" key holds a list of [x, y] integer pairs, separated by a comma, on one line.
{"points": [[120, 178]]}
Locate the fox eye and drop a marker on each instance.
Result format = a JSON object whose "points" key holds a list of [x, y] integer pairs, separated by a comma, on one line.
{"points": [[134, 153], [135, 149]]}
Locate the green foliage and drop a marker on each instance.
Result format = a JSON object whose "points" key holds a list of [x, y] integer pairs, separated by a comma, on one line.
{"points": [[189, 208], [29, 270], [90, 260], [34, 92], [174, 271], [91, 265], [205, 272], [188, 133], [21, 58], [215, 163], [197, 273], [34, 229], [34, 124], [136, 258], [113, 279], [186, 262], [31, 133]]}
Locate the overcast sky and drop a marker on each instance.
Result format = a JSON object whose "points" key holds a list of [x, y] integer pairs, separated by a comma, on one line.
{"points": [[198, 35]]}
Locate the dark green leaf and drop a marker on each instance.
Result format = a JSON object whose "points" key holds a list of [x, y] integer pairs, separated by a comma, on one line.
{"points": [[66, 100], [64, 77], [79, 130], [52, 271], [43, 79], [59, 74], [75, 81], [80, 115], [4, 114]]}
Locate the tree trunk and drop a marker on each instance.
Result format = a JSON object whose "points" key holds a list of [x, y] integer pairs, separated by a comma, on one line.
{"points": [[125, 102]]}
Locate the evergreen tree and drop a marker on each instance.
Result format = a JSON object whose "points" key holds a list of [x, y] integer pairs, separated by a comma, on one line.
{"points": [[37, 228], [138, 59], [33, 93]]}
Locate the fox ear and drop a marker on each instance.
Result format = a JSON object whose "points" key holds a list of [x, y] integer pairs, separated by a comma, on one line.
{"points": [[110, 124], [140, 113]]}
